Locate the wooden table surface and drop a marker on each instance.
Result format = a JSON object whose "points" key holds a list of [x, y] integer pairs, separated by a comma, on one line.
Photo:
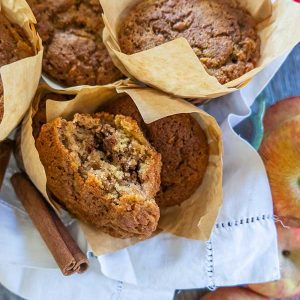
{"points": [[286, 83]]}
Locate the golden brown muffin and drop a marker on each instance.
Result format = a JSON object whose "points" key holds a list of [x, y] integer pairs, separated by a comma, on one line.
{"points": [[104, 171], [183, 146], [124, 105], [184, 150], [222, 34], [14, 46], [71, 31]]}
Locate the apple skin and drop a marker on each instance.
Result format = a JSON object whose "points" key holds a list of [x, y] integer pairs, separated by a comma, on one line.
{"points": [[233, 293], [280, 151], [281, 112], [289, 259]]}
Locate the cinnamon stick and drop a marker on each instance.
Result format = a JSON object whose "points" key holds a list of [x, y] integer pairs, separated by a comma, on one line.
{"points": [[5, 151], [64, 249]]}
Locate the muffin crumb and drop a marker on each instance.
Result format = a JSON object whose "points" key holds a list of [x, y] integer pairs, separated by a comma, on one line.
{"points": [[183, 146]]}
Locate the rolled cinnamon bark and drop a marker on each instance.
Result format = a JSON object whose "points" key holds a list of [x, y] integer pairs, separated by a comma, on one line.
{"points": [[64, 249], [5, 151]]}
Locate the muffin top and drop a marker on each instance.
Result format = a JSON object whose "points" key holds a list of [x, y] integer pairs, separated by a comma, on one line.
{"points": [[14, 45], [185, 152], [221, 33], [71, 31]]}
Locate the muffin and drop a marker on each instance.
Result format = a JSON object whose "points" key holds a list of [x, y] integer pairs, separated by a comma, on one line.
{"points": [[74, 52], [14, 46], [183, 146], [102, 169], [222, 34]]}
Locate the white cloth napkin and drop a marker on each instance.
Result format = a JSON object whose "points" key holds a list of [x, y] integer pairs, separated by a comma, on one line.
{"points": [[242, 248]]}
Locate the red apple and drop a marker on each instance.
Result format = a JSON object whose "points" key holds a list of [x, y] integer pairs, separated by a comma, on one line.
{"points": [[281, 112], [280, 151], [233, 293], [289, 258]]}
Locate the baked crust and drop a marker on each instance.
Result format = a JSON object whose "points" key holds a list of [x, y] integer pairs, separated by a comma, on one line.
{"points": [[222, 34], [74, 52]]}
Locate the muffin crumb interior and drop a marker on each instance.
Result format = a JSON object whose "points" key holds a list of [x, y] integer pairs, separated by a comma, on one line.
{"points": [[105, 151]]}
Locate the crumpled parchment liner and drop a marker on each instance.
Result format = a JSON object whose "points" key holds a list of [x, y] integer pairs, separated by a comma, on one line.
{"points": [[20, 79], [174, 67], [195, 218]]}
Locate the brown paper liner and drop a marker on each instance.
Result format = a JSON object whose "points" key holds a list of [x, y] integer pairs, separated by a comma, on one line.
{"points": [[20, 79], [196, 216], [64, 249], [174, 67], [6, 148]]}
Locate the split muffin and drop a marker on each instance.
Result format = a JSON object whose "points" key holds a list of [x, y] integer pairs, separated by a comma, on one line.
{"points": [[183, 146], [71, 32], [102, 169], [14, 46], [221, 33]]}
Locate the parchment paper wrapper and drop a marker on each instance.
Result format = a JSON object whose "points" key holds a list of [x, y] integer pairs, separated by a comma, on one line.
{"points": [[20, 79], [196, 216], [174, 67]]}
